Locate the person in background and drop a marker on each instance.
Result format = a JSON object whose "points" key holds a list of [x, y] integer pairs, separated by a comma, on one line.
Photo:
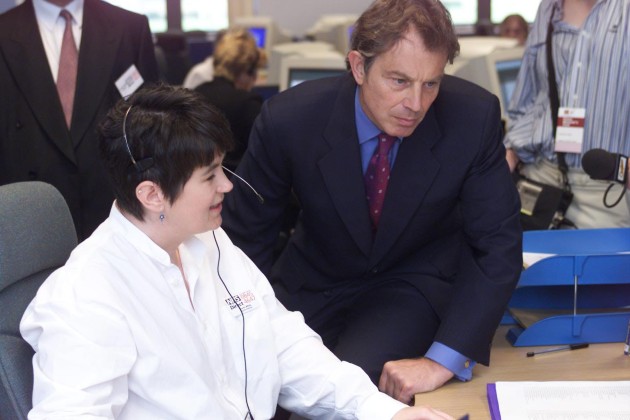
{"points": [[236, 61], [158, 315], [514, 26], [408, 244], [204, 71], [63, 64], [591, 56]]}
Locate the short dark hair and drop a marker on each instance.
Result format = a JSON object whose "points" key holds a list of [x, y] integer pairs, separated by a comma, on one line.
{"points": [[175, 127], [385, 22]]}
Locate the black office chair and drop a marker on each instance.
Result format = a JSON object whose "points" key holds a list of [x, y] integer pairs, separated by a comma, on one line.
{"points": [[173, 58], [36, 237]]}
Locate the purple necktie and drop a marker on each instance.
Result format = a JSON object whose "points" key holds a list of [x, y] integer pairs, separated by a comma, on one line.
{"points": [[377, 176], [68, 63]]}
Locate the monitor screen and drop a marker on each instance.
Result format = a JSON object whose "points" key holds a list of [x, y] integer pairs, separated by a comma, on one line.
{"points": [[297, 76], [507, 72], [499, 9], [260, 35], [155, 11]]}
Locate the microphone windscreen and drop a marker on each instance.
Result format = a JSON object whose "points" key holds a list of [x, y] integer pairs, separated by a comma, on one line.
{"points": [[600, 164]]}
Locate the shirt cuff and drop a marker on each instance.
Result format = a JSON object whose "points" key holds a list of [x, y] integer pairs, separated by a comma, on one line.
{"points": [[456, 362]]}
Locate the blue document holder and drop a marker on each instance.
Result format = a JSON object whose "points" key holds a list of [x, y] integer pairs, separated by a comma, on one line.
{"points": [[579, 294]]}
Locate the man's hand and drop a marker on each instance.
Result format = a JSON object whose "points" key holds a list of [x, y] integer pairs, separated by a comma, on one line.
{"points": [[402, 379], [512, 159], [421, 413]]}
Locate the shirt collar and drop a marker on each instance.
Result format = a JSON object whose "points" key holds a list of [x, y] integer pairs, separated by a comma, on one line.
{"points": [[137, 237], [142, 242], [366, 129], [48, 13]]}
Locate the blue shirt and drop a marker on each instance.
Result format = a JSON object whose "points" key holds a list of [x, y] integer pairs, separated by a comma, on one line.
{"points": [[592, 65], [367, 132]]}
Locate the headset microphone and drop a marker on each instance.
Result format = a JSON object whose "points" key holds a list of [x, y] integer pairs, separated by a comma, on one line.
{"points": [[602, 165], [260, 197]]}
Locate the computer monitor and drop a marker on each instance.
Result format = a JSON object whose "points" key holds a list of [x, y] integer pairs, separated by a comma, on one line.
{"points": [[507, 72], [499, 9], [335, 30], [290, 49], [295, 70], [155, 11], [495, 71], [264, 30]]}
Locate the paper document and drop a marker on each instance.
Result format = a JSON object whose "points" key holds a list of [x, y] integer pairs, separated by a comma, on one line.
{"points": [[567, 400], [530, 258]]}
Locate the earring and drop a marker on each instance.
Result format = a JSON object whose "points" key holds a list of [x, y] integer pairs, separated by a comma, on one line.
{"points": [[161, 217]]}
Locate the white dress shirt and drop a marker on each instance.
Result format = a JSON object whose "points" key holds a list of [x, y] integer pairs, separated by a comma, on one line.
{"points": [[52, 25], [116, 336], [200, 73]]}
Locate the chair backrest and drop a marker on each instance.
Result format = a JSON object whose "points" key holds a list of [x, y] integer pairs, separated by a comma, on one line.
{"points": [[36, 237]]}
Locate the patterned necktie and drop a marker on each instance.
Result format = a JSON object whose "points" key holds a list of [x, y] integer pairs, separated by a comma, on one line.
{"points": [[68, 64], [377, 176]]}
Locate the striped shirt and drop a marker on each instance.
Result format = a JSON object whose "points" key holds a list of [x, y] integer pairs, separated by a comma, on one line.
{"points": [[592, 66]]}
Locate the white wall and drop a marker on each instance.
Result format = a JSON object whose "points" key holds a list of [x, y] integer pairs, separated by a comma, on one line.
{"points": [[297, 16]]}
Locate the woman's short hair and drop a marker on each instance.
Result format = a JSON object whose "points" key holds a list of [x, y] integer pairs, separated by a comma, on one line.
{"points": [[168, 132], [385, 22], [236, 53]]}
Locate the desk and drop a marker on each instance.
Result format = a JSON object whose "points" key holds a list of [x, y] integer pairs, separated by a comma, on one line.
{"points": [[600, 362]]}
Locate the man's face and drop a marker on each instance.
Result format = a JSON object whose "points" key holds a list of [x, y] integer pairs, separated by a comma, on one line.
{"points": [[401, 84], [512, 28]]}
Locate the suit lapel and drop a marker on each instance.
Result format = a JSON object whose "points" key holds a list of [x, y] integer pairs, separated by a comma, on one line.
{"points": [[99, 41], [341, 169], [29, 66], [413, 174]]}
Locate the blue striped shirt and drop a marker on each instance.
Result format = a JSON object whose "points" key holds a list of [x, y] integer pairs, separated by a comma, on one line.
{"points": [[592, 66]]}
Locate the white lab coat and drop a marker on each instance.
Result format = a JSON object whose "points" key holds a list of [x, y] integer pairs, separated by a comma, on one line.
{"points": [[116, 336]]}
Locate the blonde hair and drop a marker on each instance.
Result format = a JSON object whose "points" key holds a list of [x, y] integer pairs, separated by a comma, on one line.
{"points": [[235, 54]]}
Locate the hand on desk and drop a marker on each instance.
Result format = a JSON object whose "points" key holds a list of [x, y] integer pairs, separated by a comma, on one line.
{"points": [[421, 413], [402, 379]]}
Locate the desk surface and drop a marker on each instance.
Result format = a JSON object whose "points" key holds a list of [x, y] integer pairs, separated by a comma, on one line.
{"points": [[598, 362]]}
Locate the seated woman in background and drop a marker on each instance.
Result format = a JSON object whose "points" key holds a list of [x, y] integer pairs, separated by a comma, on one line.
{"points": [[236, 61], [158, 315]]}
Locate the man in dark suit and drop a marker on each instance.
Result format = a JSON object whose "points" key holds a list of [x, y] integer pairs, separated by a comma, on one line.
{"points": [[415, 296], [36, 141]]}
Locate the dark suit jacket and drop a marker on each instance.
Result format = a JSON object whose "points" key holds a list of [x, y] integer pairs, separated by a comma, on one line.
{"points": [[35, 143], [450, 221], [240, 108]]}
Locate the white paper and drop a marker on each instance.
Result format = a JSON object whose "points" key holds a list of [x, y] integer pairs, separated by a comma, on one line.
{"points": [[530, 258], [570, 400]]}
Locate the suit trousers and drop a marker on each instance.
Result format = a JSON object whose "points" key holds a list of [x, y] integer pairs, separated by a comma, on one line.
{"points": [[368, 322]]}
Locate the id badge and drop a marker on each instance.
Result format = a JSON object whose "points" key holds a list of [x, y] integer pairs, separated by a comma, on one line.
{"points": [[129, 82], [243, 302], [570, 130]]}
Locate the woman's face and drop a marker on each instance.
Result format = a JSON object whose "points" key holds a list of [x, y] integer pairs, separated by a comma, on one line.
{"points": [[198, 207]]}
